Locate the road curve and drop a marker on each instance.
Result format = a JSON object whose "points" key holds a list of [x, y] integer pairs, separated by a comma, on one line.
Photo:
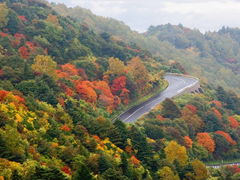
{"points": [[177, 84]]}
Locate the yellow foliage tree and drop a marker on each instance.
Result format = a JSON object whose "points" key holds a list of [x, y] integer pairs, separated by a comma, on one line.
{"points": [[3, 15], [167, 174], [115, 66], [139, 74], [200, 170], [174, 151], [44, 65]]}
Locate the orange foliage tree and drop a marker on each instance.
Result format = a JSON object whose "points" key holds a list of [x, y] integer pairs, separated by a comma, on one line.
{"points": [[227, 137], [52, 19], [206, 141], [67, 71], [135, 161], [106, 97], [119, 88], [188, 142], [233, 122], [217, 113], [86, 91], [9, 97]]}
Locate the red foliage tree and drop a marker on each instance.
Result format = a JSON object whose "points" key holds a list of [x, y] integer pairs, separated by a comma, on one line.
{"points": [[2, 34], [66, 170], [30, 45], [217, 103], [159, 117], [1, 72], [19, 36], [3, 94], [106, 97], [22, 18], [118, 84], [232, 169], [192, 108], [206, 141], [65, 128], [233, 122], [24, 52], [227, 137]]}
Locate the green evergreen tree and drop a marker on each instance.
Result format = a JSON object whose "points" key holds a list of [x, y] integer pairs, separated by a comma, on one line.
{"points": [[83, 173], [170, 109], [48, 174]]}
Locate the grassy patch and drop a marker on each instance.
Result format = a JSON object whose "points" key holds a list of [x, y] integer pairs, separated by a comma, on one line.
{"points": [[222, 162]]}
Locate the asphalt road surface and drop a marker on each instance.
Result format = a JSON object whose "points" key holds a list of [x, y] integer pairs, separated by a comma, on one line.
{"points": [[177, 84]]}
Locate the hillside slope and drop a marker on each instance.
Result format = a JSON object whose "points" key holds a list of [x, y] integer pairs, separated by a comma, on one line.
{"points": [[210, 56], [60, 85]]}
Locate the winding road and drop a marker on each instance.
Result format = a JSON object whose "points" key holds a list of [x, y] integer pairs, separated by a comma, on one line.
{"points": [[177, 85]]}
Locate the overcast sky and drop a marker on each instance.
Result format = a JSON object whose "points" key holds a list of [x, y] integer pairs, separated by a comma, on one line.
{"points": [[140, 14]]}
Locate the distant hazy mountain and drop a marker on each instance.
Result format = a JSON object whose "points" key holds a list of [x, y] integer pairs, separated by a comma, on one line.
{"points": [[213, 56]]}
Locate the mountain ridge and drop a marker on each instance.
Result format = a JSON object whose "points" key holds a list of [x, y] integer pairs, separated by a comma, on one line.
{"points": [[208, 64]]}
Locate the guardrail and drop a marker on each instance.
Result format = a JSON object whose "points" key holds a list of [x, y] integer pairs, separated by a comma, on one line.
{"points": [[184, 75], [191, 88], [188, 89]]}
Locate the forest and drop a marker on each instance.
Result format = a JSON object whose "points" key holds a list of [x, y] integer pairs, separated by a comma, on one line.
{"points": [[61, 84], [209, 55]]}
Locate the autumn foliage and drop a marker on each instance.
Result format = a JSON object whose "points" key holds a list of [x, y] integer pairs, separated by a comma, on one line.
{"points": [[66, 170], [233, 122], [174, 151], [217, 103], [22, 18], [217, 113], [67, 71], [206, 141], [188, 142], [118, 84], [227, 137], [192, 108], [65, 128], [9, 97], [86, 91], [24, 52], [135, 161]]}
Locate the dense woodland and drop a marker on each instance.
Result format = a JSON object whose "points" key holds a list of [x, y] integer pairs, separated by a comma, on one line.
{"points": [[61, 84], [209, 56]]}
